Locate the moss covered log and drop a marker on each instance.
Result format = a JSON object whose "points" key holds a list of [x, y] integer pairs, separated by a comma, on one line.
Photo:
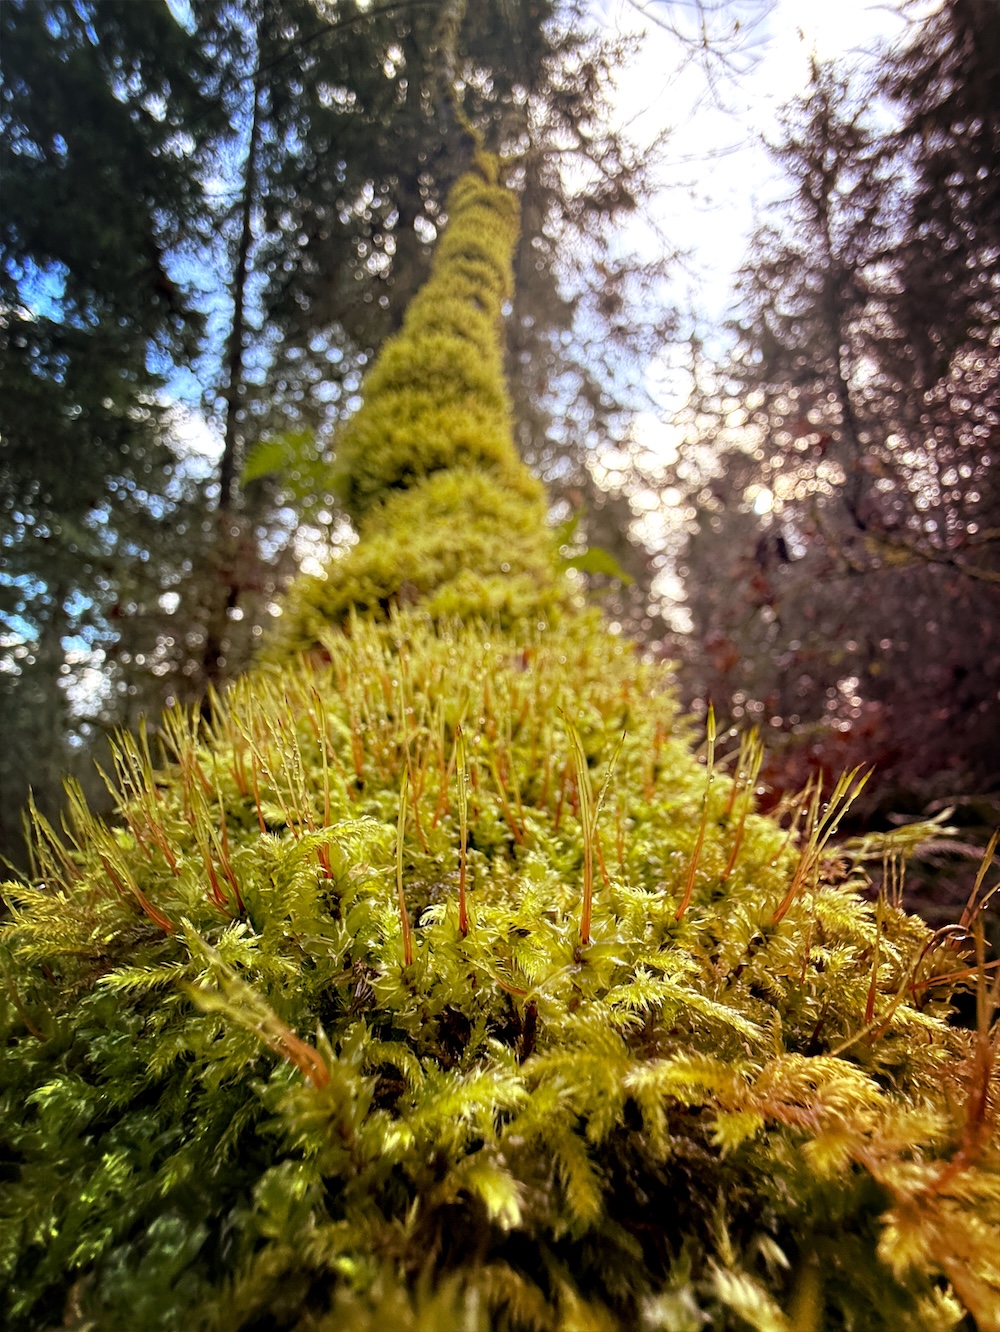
{"points": [[445, 982], [447, 514]]}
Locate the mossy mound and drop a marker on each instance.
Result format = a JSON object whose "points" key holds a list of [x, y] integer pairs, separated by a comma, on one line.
{"points": [[438, 985], [540, 1133], [470, 549]]}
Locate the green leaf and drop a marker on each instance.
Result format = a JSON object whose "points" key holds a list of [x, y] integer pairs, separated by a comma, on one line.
{"points": [[500, 1193], [565, 533], [268, 457], [750, 1300], [595, 560]]}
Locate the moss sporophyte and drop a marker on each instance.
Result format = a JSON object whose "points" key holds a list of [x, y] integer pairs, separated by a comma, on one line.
{"points": [[437, 983]]}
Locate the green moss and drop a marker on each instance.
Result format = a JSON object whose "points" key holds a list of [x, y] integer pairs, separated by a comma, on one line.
{"points": [[447, 513], [437, 398], [463, 533], [228, 1100]]}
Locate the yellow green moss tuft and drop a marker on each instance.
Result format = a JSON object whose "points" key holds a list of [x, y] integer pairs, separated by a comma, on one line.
{"points": [[457, 541]]}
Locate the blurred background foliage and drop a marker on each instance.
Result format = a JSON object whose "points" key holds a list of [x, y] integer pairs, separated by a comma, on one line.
{"points": [[842, 557], [214, 213]]}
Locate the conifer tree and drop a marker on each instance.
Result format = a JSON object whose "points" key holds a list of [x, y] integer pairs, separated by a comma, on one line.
{"points": [[99, 186], [861, 604], [437, 984]]}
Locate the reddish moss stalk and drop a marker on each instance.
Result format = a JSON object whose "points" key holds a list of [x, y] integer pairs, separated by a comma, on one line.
{"points": [[463, 814], [404, 919], [700, 842]]}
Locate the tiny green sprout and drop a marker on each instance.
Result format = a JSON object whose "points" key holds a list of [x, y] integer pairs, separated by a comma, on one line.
{"points": [[748, 767], [585, 798], [589, 815], [876, 957], [821, 824]]}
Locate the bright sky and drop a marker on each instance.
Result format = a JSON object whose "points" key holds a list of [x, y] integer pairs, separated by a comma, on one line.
{"points": [[717, 177], [717, 174]]}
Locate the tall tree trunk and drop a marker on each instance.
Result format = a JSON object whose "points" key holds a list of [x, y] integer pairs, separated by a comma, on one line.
{"points": [[441, 58], [227, 541]]}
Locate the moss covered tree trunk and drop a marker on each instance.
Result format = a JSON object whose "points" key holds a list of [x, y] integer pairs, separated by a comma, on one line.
{"points": [[447, 515], [439, 984]]}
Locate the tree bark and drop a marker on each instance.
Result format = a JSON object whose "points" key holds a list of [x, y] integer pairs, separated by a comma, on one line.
{"points": [[227, 537]]}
